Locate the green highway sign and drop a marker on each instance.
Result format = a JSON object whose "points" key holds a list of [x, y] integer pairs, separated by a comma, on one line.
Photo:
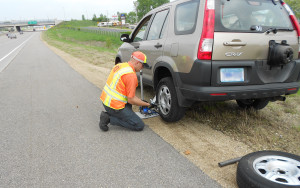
{"points": [[32, 22]]}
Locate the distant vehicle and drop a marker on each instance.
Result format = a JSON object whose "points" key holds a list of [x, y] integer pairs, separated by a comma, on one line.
{"points": [[12, 35], [21, 32], [105, 24], [132, 26]]}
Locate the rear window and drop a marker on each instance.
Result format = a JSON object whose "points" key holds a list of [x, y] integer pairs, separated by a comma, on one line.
{"points": [[186, 17], [251, 16]]}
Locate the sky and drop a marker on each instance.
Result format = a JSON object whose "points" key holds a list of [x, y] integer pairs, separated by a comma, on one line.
{"points": [[61, 9]]}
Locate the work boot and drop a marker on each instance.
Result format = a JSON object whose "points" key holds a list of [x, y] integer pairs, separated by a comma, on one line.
{"points": [[104, 121]]}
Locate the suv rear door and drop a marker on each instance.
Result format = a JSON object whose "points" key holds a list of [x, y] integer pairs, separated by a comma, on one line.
{"points": [[243, 29], [242, 25]]}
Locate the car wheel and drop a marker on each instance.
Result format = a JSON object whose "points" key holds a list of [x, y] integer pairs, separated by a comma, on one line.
{"points": [[269, 169], [168, 107], [257, 104]]}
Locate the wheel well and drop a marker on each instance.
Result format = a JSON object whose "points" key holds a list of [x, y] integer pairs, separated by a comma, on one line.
{"points": [[160, 73], [117, 60]]}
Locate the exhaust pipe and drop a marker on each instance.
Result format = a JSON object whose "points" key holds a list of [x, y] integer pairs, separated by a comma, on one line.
{"points": [[277, 98]]}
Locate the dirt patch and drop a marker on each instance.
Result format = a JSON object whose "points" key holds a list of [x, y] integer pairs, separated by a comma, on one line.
{"points": [[209, 133], [203, 146]]}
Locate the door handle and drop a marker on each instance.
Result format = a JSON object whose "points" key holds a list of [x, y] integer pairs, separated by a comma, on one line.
{"points": [[234, 43], [158, 45]]}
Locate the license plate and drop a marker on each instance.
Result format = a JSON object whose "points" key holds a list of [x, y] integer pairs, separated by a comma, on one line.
{"points": [[232, 74]]}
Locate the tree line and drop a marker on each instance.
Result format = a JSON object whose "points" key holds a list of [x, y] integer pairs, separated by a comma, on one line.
{"points": [[142, 7]]}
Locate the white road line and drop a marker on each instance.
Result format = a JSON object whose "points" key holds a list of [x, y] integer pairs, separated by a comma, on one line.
{"points": [[12, 52], [15, 49]]}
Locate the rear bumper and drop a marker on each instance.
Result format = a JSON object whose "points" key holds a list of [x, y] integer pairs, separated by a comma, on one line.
{"points": [[261, 81], [240, 92]]}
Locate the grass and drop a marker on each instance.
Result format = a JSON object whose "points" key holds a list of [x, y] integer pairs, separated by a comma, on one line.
{"points": [[93, 47], [74, 33], [79, 23], [297, 128], [276, 127]]}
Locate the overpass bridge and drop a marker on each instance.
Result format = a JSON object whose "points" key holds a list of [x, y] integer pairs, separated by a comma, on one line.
{"points": [[18, 24]]}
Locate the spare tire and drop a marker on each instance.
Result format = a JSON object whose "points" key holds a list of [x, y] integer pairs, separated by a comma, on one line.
{"points": [[272, 169]]}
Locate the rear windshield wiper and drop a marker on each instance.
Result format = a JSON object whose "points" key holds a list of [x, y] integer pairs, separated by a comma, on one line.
{"points": [[274, 30]]}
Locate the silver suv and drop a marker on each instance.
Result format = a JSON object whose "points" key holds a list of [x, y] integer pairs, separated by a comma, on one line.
{"points": [[214, 50], [11, 35]]}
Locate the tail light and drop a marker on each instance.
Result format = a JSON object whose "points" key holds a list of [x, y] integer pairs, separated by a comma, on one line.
{"points": [[207, 36], [294, 21], [218, 94]]}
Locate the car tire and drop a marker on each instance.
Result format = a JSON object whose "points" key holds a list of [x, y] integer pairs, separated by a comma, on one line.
{"points": [[168, 107], [269, 169], [257, 104]]}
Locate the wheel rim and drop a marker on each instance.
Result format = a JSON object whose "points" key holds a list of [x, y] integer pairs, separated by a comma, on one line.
{"points": [[164, 99], [282, 170]]}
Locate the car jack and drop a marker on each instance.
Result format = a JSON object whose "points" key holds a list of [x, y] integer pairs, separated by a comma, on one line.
{"points": [[146, 112]]}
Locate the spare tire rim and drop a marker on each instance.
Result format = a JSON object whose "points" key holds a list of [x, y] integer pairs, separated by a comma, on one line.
{"points": [[164, 99], [282, 170]]}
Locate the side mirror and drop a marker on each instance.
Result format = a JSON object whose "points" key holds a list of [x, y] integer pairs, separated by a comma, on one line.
{"points": [[124, 38]]}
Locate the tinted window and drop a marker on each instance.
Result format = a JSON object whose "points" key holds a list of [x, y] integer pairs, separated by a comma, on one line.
{"points": [[186, 17], [157, 25], [241, 15]]}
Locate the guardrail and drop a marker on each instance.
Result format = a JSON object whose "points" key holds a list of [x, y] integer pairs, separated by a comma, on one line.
{"points": [[107, 33]]}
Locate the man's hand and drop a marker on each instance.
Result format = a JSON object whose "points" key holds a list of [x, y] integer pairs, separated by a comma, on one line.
{"points": [[146, 102], [137, 101]]}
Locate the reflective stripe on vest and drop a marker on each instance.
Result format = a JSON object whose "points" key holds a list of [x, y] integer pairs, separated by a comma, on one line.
{"points": [[118, 75], [114, 94], [111, 93]]}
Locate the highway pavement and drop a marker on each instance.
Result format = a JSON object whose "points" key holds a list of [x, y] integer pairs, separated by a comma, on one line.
{"points": [[49, 134]]}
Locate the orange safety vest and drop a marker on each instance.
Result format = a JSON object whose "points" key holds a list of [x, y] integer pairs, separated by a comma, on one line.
{"points": [[114, 91]]}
